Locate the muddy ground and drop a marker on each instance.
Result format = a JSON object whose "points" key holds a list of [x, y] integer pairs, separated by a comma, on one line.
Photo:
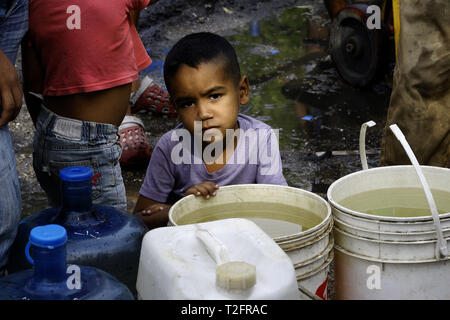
{"points": [[162, 24]]}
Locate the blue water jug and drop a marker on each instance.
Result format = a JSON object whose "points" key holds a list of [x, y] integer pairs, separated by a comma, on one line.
{"points": [[98, 236], [53, 279]]}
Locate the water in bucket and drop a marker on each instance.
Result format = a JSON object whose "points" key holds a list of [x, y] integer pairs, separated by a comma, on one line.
{"points": [[397, 202], [52, 279], [274, 218]]}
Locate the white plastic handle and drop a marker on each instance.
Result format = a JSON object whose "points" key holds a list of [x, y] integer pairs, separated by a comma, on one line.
{"points": [[441, 248], [215, 248], [362, 143]]}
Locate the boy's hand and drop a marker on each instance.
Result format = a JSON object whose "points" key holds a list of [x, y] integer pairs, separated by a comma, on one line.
{"points": [[205, 189], [154, 216], [154, 208]]}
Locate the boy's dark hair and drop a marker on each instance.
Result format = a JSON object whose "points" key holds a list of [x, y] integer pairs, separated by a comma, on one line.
{"points": [[202, 47]]}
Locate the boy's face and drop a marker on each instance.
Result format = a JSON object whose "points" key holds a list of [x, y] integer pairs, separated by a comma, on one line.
{"points": [[209, 95]]}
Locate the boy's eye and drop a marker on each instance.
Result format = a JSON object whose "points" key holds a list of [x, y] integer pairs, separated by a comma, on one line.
{"points": [[186, 104], [215, 96]]}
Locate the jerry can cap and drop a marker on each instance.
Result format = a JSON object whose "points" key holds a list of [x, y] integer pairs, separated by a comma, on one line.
{"points": [[49, 236], [76, 174]]}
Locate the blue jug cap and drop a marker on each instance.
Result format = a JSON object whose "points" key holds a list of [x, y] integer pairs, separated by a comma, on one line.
{"points": [[49, 236], [76, 174]]}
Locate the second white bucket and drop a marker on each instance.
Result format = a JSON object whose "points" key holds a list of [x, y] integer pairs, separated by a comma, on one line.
{"points": [[386, 254], [300, 222]]}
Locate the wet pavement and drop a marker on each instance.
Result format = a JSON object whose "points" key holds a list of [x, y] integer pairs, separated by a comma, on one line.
{"points": [[295, 88]]}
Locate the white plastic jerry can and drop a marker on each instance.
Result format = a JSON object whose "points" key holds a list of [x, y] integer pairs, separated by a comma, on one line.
{"points": [[223, 259]]}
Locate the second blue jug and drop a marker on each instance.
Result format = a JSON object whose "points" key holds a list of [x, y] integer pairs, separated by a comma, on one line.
{"points": [[52, 279], [98, 236]]}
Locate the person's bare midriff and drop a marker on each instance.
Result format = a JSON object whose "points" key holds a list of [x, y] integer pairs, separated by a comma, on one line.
{"points": [[105, 106]]}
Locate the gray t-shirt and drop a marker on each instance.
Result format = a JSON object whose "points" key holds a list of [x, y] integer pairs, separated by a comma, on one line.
{"points": [[176, 164]]}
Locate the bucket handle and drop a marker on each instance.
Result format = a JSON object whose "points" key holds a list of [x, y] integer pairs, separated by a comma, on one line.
{"points": [[362, 143], [229, 274], [27, 253], [216, 249], [441, 247]]}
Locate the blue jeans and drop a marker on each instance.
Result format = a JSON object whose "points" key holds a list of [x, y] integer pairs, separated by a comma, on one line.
{"points": [[61, 142], [13, 25]]}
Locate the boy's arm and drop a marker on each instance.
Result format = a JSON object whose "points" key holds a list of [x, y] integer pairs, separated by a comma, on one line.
{"points": [[158, 183], [154, 214], [33, 78]]}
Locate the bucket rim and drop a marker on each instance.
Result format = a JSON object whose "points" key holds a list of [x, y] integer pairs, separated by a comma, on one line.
{"points": [[389, 233], [321, 255], [326, 264], [292, 236], [444, 217], [390, 242], [310, 240], [348, 211], [368, 258]]}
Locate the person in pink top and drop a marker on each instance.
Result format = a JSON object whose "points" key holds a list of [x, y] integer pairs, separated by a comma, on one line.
{"points": [[82, 57]]}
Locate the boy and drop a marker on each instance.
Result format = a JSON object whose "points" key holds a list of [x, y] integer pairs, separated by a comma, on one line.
{"points": [[219, 145], [82, 57]]}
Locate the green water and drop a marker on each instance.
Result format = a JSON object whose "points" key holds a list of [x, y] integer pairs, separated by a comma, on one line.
{"points": [[397, 202], [274, 219], [268, 71]]}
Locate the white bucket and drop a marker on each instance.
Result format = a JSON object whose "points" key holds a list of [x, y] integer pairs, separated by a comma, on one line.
{"points": [[386, 257], [309, 250]]}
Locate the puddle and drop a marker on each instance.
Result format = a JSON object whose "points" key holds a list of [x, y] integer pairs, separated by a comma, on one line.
{"points": [[296, 89], [297, 82]]}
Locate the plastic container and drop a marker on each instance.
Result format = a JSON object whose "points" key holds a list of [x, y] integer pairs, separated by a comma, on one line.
{"points": [[98, 236], [385, 256], [188, 262], [300, 222], [52, 279]]}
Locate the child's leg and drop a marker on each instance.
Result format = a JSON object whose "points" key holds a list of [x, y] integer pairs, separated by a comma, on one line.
{"points": [[61, 142]]}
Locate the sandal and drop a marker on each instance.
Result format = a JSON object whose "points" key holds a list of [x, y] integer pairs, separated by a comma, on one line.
{"points": [[135, 147], [153, 98]]}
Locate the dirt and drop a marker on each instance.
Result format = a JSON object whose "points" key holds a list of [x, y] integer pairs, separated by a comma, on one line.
{"points": [[163, 23]]}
